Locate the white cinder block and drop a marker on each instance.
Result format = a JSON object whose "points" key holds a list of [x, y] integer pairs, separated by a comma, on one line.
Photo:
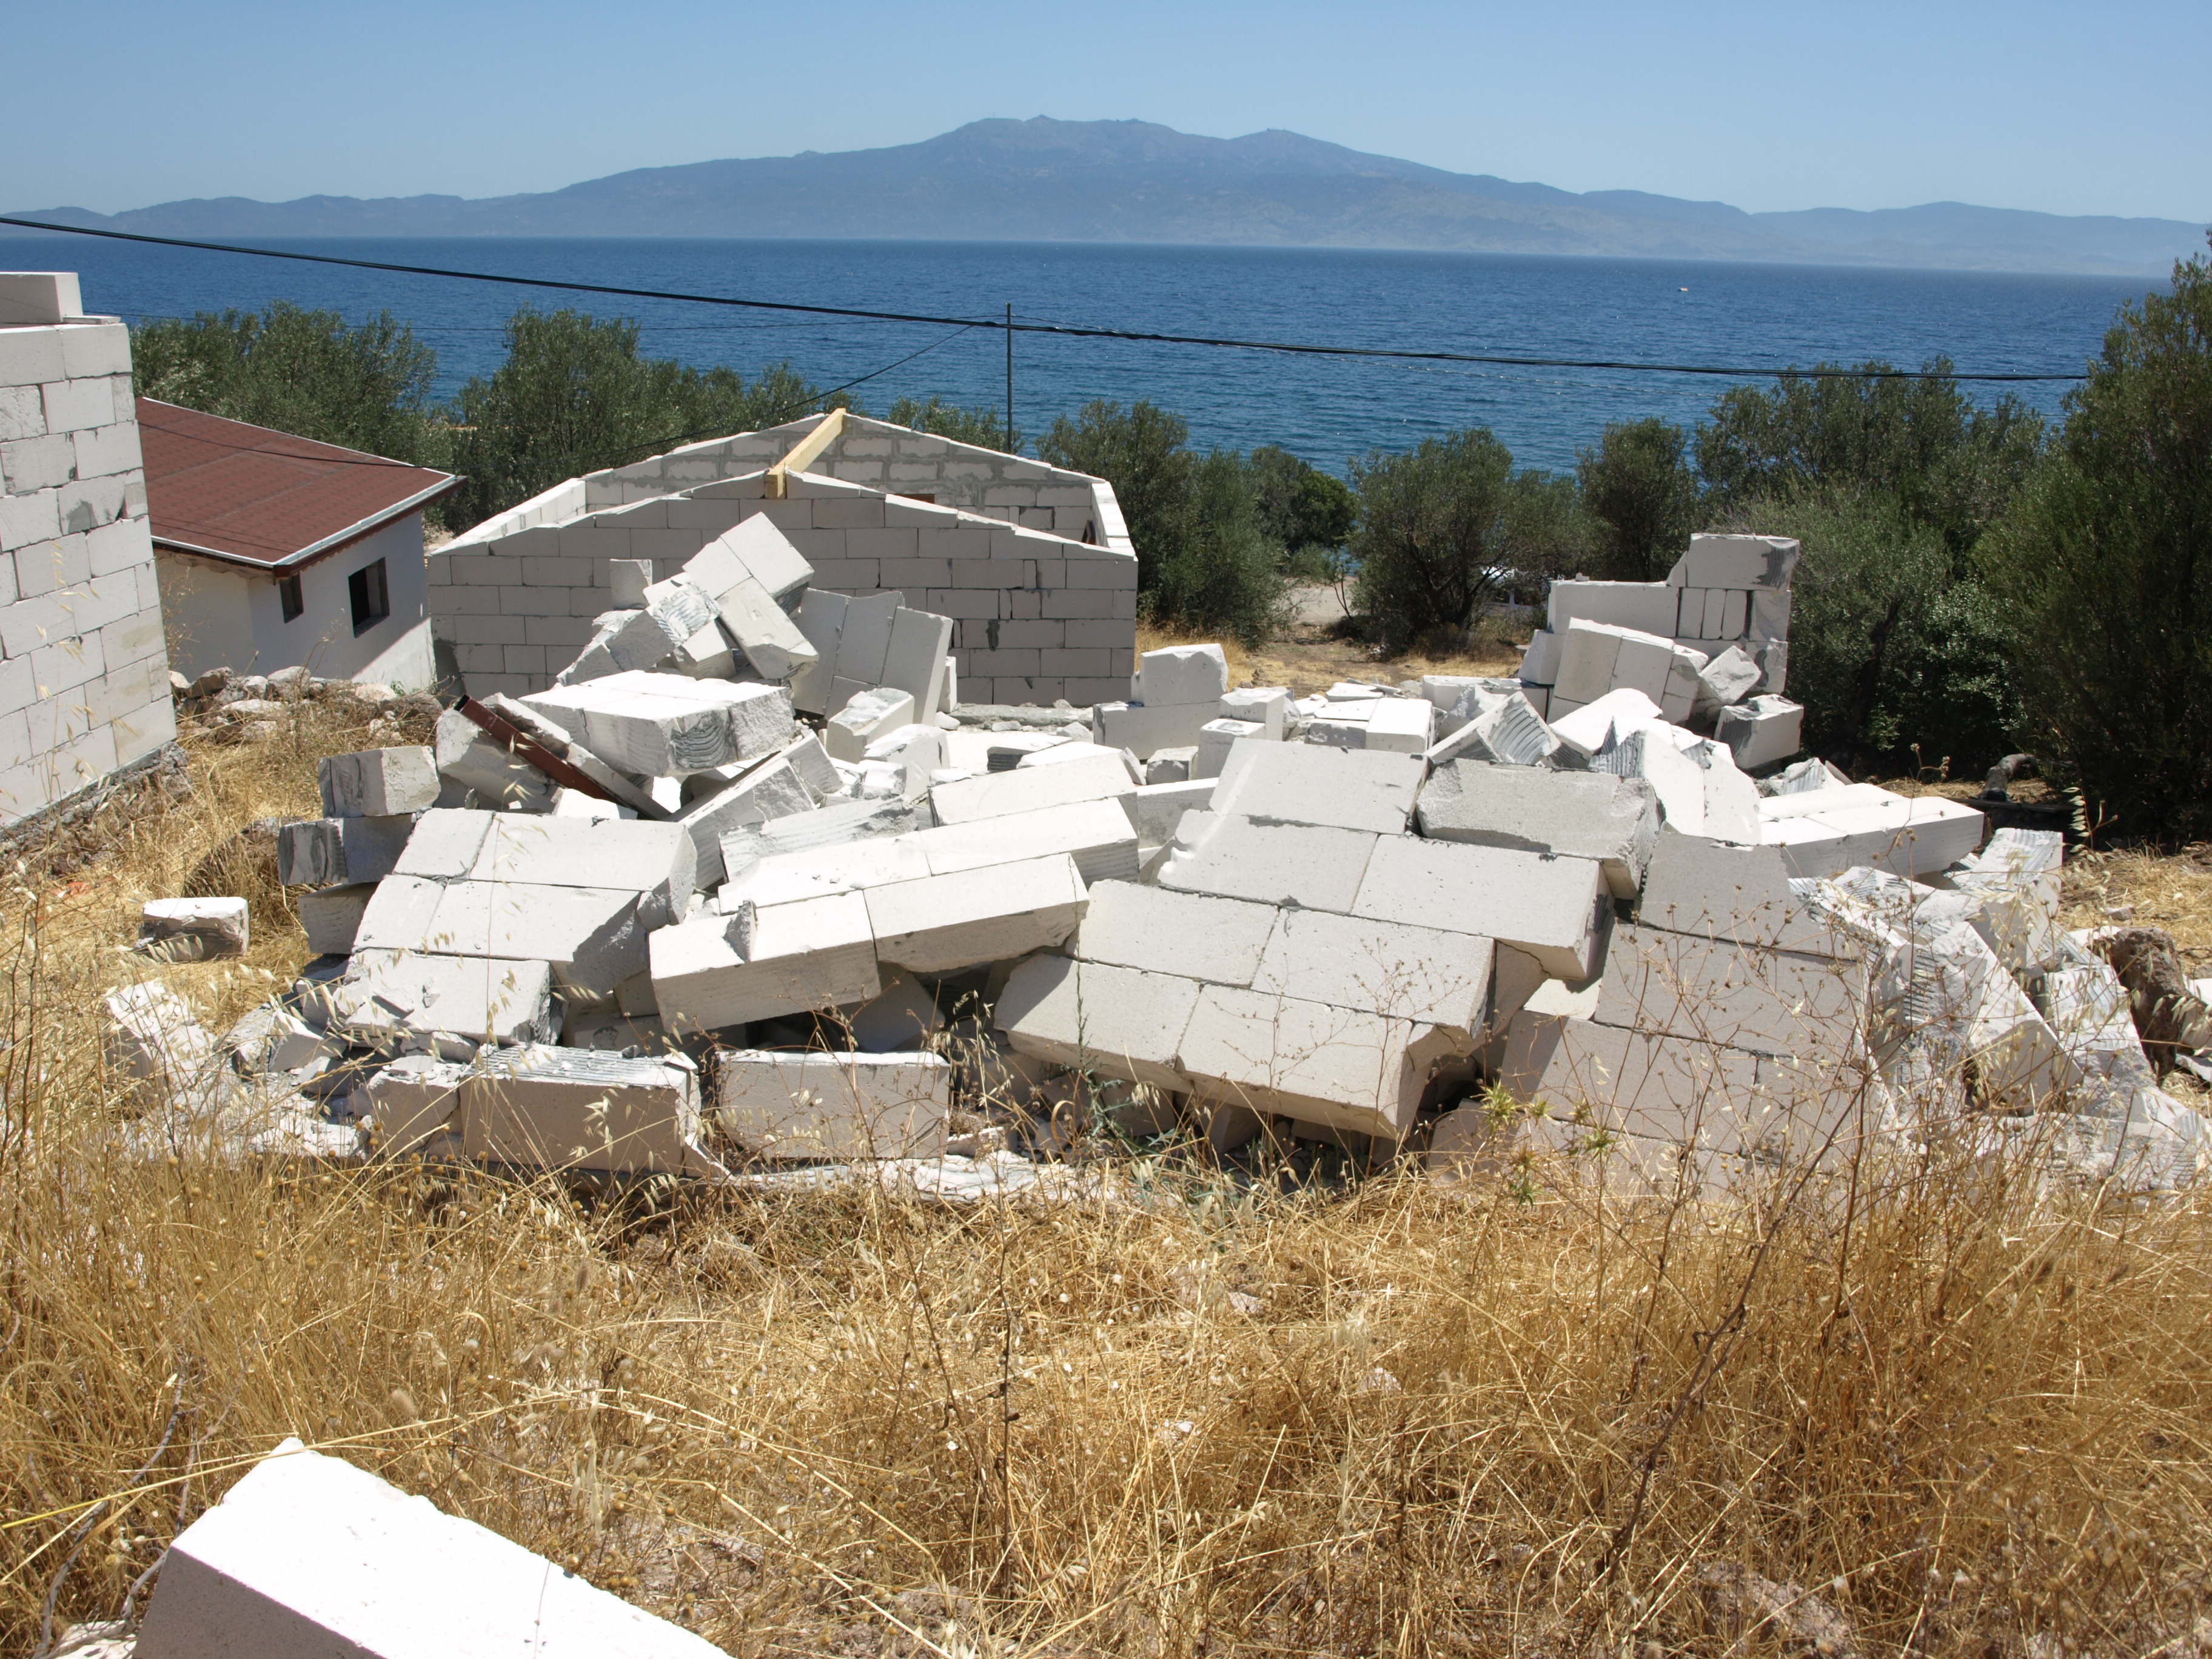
{"points": [[764, 631], [915, 659], [946, 923], [664, 725], [1540, 663], [1768, 615], [1648, 607], [754, 548], [1589, 728], [1155, 810], [1143, 729], [812, 1106], [1554, 909], [193, 929], [627, 581], [540, 1106], [1096, 834], [1266, 706], [593, 938], [772, 788], [415, 1107], [308, 1554], [1588, 656], [1402, 725], [1338, 1068], [865, 718], [656, 861], [330, 917], [812, 954], [1718, 891], [378, 782], [1613, 819], [1160, 930], [1100, 776], [1385, 968], [1761, 732], [387, 996], [1182, 674], [1739, 562], [1216, 738], [864, 640], [1308, 783], [315, 852], [1122, 1022], [443, 847], [1913, 837], [1318, 867]]}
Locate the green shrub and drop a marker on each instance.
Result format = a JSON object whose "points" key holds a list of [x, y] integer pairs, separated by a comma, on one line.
{"points": [[1141, 451], [1300, 507], [2104, 568], [1639, 486], [1226, 577], [982, 425], [1432, 533]]}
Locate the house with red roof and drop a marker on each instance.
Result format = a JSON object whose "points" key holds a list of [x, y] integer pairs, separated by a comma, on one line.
{"points": [[276, 551]]}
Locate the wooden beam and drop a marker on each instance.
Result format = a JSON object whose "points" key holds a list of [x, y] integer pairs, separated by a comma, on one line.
{"points": [[805, 454]]}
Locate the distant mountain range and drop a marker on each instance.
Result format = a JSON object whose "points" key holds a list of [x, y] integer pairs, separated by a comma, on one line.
{"points": [[1132, 182]]}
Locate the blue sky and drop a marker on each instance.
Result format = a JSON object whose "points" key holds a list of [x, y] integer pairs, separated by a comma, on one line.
{"points": [[2068, 108]]}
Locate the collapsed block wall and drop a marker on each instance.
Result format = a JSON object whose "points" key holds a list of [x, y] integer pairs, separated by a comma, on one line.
{"points": [[899, 461], [1037, 616], [84, 672]]}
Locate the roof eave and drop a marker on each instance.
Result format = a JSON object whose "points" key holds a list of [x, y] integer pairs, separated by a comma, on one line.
{"points": [[315, 550]]}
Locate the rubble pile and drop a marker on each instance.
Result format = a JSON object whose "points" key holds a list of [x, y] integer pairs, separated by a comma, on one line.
{"points": [[747, 885]]}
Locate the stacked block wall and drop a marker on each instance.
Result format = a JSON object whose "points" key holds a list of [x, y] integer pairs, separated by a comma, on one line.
{"points": [[1037, 618], [84, 674], [896, 459]]}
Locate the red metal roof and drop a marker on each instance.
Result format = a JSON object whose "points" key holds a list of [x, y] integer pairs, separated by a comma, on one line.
{"points": [[265, 497]]}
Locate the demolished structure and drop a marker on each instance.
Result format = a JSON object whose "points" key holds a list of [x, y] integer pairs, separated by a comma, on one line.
{"points": [[743, 884]]}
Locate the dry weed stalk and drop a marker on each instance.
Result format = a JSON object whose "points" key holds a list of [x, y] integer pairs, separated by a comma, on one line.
{"points": [[1963, 1412]]}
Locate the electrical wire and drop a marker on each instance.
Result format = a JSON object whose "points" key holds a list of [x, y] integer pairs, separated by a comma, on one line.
{"points": [[1065, 331]]}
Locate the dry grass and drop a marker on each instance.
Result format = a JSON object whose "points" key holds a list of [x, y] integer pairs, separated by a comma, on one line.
{"points": [[1310, 659], [1473, 1420]]}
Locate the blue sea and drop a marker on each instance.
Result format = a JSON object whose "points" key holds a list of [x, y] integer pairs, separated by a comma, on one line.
{"points": [[1762, 317]]}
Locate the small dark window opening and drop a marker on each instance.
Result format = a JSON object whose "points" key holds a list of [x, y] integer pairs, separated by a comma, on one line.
{"points": [[287, 597], [371, 601]]}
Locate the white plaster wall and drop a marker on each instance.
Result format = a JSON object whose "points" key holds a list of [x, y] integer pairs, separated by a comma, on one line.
{"points": [[84, 675], [206, 613]]}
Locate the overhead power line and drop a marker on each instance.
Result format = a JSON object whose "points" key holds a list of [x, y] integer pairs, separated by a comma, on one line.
{"points": [[1062, 330]]}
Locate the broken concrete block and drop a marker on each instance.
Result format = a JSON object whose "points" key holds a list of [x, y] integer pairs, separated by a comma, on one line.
{"points": [[1508, 732], [818, 1106], [390, 997], [664, 725], [1611, 717], [1158, 929], [821, 618], [1340, 1068], [272, 1038], [1539, 661], [557, 739], [806, 955], [1761, 731], [593, 938], [1143, 728], [1722, 891], [1156, 808], [150, 1035], [708, 654], [332, 917], [1317, 865], [1554, 909], [1096, 834], [1097, 776], [655, 861], [914, 661], [829, 825], [1652, 757], [864, 640], [1737, 561], [772, 788], [193, 929], [318, 852], [1802, 778], [864, 718], [1828, 831], [1267, 707], [470, 757], [1731, 799], [415, 1107], [1591, 815], [1383, 967], [1308, 784], [307, 1554], [376, 783], [1743, 996], [840, 868], [944, 923], [1589, 663], [399, 914], [627, 581], [902, 1019], [539, 1107], [1726, 680], [1093, 1016], [445, 843], [1175, 765], [1182, 674], [1404, 726], [764, 631], [754, 548]]}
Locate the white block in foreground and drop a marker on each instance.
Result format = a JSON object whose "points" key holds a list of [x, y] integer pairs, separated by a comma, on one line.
{"points": [[310, 1558], [817, 1105]]}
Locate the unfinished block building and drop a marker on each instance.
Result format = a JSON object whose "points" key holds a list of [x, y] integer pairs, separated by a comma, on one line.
{"points": [[1033, 563]]}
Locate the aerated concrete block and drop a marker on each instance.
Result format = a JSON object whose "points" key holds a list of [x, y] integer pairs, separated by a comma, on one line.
{"points": [[193, 929], [1555, 908], [444, 844], [539, 1107], [718, 971], [915, 659], [1266, 706], [1160, 930], [150, 1035], [1412, 973], [901, 1019], [1310, 784], [754, 548], [818, 1106], [378, 782], [1142, 729], [1182, 674], [627, 581], [1906, 837], [764, 631], [1175, 765], [1742, 996], [1096, 834], [1340, 1068], [1215, 739], [863, 719], [1099, 776], [1093, 1016], [415, 1107], [1727, 679], [388, 998], [772, 788], [1509, 733], [1590, 815], [655, 861], [1761, 731], [821, 619], [307, 1554], [593, 938], [1737, 561], [478, 762], [330, 917], [1588, 729], [1647, 607], [1737, 893], [945, 923], [664, 725], [1156, 808], [1318, 867], [1539, 662], [1402, 725]]}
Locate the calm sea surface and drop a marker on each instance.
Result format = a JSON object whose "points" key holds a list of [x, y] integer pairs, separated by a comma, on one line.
{"points": [[1764, 317]]}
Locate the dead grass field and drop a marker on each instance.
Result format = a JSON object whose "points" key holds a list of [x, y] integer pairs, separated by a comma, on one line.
{"points": [[1515, 1419]]}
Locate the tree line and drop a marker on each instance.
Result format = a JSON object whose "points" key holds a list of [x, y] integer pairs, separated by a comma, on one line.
{"points": [[1975, 579]]}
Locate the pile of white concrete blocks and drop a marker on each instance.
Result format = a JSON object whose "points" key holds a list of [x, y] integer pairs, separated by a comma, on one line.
{"points": [[1710, 646]]}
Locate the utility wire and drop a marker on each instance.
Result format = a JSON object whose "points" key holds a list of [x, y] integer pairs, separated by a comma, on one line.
{"points": [[1064, 330]]}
